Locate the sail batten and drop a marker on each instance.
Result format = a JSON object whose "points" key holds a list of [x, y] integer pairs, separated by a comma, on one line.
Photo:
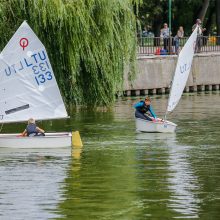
{"points": [[182, 71], [28, 88]]}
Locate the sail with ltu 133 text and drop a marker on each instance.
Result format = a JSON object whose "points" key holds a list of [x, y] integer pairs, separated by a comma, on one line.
{"points": [[28, 88]]}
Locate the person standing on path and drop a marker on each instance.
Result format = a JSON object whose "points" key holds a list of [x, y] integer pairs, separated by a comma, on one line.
{"points": [[199, 40], [179, 35], [165, 35]]}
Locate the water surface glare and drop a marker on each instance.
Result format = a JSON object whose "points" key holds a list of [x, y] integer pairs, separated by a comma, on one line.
{"points": [[119, 173]]}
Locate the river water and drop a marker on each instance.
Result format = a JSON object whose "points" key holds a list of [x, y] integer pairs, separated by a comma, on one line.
{"points": [[120, 174]]}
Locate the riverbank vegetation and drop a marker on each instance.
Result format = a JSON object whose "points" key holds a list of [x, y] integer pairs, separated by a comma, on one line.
{"points": [[89, 42], [153, 13]]}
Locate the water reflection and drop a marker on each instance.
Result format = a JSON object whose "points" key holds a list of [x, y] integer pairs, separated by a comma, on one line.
{"points": [[102, 182], [121, 174], [165, 137], [30, 182], [182, 182]]}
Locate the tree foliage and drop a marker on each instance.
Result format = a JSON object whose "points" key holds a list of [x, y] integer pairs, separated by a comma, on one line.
{"points": [[153, 13], [89, 42]]}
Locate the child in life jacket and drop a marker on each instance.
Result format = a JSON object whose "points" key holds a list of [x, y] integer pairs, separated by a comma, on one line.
{"points": [[32, 129]]}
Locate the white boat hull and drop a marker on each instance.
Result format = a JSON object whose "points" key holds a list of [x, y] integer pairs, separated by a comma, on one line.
{"points": [[158, 126], [50, 140]]}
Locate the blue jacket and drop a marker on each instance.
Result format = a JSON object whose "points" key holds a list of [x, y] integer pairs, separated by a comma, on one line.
{"points": [[143, 108]]}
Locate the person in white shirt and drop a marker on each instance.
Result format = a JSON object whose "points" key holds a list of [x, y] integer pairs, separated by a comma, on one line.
{"points": [[165, 34]]}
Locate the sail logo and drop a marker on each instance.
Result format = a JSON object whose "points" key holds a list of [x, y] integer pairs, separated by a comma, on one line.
{"points": [[23, 42], [184, 68], [174, 103]]}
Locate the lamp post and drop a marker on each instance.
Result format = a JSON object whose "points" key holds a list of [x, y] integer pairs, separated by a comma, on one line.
{"points": [[170, 3], [170, 41]]}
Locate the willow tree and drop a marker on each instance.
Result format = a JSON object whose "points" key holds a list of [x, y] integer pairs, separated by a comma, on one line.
{"points": [[89, 42]]}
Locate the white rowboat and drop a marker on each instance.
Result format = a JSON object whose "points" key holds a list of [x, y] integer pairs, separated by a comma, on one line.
{"points": [[158, 126], [50, 140]]}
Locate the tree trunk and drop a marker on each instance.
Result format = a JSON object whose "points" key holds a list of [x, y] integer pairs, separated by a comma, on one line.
{"points": [[218, 19], [156, 27], [209, 24], [210, 20], [203, 9]]}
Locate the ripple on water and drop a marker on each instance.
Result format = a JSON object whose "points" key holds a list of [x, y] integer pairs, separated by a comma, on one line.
{"points": [[121, 174]]}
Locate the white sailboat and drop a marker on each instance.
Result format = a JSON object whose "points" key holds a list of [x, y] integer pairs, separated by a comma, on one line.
{"points": [[28, 89], [182, 71]]}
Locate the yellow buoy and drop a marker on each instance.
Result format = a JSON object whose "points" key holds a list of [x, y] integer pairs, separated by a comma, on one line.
{"points": [[76, 139]]}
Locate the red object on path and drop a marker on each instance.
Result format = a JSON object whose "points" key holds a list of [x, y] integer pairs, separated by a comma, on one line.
{"points": [[157, 52]]}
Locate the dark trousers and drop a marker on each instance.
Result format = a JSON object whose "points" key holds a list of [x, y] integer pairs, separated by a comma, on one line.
{"points": [[142, 116], [166, 44], [176, 44], [198, 44]]}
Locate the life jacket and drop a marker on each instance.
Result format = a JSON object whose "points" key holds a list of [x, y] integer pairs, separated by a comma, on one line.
{"points": [[31, 129], [145, 108]]}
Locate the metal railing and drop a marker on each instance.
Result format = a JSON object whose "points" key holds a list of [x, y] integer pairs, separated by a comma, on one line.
{"points": [[159, 46]]}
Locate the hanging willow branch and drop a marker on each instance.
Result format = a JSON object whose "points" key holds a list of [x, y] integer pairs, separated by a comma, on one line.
{"points": [[88, 41]]}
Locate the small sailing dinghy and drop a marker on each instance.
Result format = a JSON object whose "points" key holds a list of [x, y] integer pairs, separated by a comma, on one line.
{"points": [[28, 89], [161, 126], [182, 71]]}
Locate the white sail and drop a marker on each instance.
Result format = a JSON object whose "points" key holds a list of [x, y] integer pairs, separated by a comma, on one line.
{"points": [[182, 71], [28, 88]]}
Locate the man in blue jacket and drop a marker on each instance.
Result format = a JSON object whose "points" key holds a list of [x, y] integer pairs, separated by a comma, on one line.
{"points": [[142, 108]]}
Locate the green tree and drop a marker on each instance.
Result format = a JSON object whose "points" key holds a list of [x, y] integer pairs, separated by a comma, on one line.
{"points": [[153, 13], [203, 10], [89, 42]]}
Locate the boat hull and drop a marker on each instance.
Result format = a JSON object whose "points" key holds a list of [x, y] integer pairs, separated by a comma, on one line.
{"points": [[158, 126], [50, 140]]}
